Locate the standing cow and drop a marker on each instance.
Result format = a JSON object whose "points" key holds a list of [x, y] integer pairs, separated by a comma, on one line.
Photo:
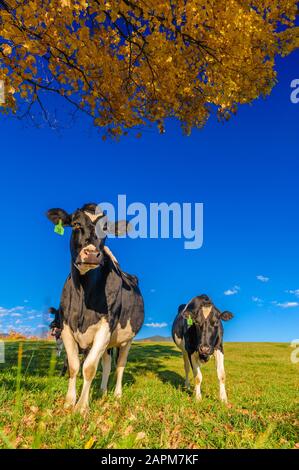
{"points": [[55, 327], [101, 306], [198, 331]]}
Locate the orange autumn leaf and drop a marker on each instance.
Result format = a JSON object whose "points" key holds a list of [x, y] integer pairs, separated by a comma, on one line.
{"points": [[129, 63]]}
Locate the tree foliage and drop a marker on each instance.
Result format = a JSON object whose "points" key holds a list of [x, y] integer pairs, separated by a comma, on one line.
{"points": [[127, 63]]}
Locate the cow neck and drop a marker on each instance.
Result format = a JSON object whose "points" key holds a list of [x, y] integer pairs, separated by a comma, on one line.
{"points": [[91, 280]]}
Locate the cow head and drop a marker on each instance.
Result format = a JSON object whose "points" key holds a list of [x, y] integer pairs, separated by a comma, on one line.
{"points": [[88, 237], [206, 319]]}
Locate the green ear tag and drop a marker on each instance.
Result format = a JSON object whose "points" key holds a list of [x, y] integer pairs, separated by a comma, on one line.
{"points": [[189, 321], [59, 228]]}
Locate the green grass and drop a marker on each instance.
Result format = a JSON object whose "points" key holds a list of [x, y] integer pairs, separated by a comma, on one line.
{"points": [[155, 410]]}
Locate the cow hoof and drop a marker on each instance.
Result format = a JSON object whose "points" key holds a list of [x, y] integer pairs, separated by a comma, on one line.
{"points": [[198, 397], [117, 395], [68, 404], [224, 400], [104, 393], [82, 409]]}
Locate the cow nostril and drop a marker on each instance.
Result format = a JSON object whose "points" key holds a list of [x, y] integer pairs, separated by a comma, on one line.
{"points": [[204, 349]]}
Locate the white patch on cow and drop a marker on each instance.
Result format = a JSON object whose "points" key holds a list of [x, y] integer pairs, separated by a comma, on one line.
{"points": [[93, 217], [219, 359], [111, 256], [206, 311], [86, 339], [121, 336], [99, 346], [197, 375], [71, 348]]}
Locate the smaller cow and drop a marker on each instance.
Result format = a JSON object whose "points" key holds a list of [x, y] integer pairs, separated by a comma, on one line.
{"points": [[198, 332], [56, 329]]}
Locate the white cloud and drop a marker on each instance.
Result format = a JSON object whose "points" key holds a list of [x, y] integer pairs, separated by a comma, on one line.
{"points": [[288, 304], [156, 325], [232, 291], [293, 292], [257, 300], [13, 318], [263, 278]]}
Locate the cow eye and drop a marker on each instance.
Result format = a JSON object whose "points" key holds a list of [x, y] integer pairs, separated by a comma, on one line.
{"points": [[76, 225]]}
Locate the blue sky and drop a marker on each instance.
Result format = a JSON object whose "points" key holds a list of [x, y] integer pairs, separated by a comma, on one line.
{"points": [[246, 174]]}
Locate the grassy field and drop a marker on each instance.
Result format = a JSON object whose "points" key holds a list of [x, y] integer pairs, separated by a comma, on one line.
{"points": [[155, 410]]}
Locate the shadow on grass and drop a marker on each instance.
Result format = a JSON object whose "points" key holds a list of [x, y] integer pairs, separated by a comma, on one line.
{"points": [[147, 358], [36, 362]]}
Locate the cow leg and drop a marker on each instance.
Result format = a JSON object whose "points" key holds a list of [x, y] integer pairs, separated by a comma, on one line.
{"points": [[100, 343], [64, 367], [197, 376], [219, 358], [72, 352], [120, 367], [187, 369], [106, 363]]}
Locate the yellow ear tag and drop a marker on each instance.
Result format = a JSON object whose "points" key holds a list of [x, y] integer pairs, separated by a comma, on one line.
{"points": [[59, 228]]}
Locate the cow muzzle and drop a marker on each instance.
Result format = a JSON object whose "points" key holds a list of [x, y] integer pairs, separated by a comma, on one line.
{"points": [[205, 352], [89, 256]]}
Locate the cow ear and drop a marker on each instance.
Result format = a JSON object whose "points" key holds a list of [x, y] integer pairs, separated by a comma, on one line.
{"points": [[188, 313], [119, 228], [181, 308], [226, 316], [55, 215], [90, 207], [52, 310]]}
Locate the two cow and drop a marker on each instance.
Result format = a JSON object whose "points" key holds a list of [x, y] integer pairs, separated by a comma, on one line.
{"points": [[102, 308]]}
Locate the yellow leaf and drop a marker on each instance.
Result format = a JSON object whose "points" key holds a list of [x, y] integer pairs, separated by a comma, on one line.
{"points": [[7, 49], [90, 443]]}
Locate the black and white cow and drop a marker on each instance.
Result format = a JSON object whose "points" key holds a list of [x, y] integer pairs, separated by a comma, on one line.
{"points": [[56, 330], [101, 306], [198, 331]]}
